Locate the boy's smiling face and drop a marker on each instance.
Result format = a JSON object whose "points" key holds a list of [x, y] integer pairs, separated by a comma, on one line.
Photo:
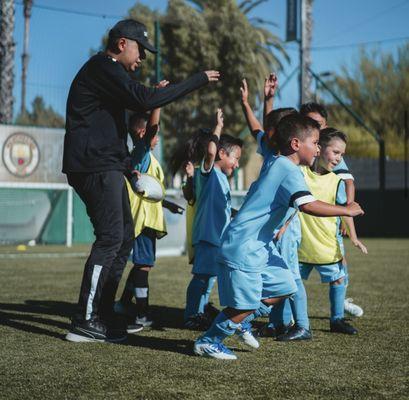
{"points": [[308, 148], [332, 153], [229, 161]]}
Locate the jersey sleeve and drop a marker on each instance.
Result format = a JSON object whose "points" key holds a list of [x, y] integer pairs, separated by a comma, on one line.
{"points": [[261, 144], [342, 171], [204, 171], [295, 189], [341, 198]]}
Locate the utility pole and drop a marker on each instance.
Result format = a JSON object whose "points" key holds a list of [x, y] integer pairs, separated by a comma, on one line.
{"points": [[305, 39], [7, 49], [28, 4]]}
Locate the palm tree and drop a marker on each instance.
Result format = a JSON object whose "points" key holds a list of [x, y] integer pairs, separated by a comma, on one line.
{"points": [[7, 49]]}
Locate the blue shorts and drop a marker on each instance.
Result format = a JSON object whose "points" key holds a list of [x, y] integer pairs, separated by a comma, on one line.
{"points": [[144, 248], [244, 290], [205, 259], [328, 272], [288, 246]]}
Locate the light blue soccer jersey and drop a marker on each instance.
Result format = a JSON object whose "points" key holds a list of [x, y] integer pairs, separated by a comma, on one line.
{"points": [[342, 170], [247, 242], [213, 210]]}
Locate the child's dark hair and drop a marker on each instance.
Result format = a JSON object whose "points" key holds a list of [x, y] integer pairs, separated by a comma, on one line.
{"points": [[228, 143], [192, 150], [274, 117], [138, 118], [312, 107], [327, 134], [294, 126]]}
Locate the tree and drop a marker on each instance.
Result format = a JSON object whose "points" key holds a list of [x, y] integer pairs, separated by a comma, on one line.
{"points": [[7, 49], [41, 115], [377, 89], [217, 34]]}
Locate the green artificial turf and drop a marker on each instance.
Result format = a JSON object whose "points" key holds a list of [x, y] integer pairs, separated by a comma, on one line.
{"points": [[38, 295]]}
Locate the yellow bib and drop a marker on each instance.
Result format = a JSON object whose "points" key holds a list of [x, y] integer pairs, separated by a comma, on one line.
{"points": [[146, 214], [319, 244]]}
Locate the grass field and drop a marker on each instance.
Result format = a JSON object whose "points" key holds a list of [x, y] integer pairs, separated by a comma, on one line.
{"points": [[38, 295]]}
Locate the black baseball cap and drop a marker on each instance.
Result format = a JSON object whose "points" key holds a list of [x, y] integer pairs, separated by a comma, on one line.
{"points": [[134, 30]]}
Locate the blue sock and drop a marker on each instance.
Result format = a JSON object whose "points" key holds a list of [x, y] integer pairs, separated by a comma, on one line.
{"points": [[287, 312], [262, 311], [204, 299], [299, 306], [275, 318], [336, 298], [221, 328], [197, 287]]}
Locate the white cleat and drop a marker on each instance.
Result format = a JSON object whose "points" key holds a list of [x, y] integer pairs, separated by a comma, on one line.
{"points": [[352, 309], [213, 350], [246, 336]]}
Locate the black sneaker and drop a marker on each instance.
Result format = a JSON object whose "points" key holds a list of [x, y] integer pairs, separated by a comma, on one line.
{"points": [[268, 331], [295, 333], [90, 330], [341, 326], [117, 328]]}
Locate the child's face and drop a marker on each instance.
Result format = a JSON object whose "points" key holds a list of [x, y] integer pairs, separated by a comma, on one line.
{"points": [[331, 155], [229, 161], [308, 148], [319, 118], [138, 129]]}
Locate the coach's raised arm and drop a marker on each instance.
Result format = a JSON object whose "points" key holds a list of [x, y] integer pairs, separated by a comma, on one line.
{"points": [[95, 155]]}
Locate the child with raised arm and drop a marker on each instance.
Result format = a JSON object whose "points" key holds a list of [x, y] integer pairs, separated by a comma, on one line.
{"points": [[212, 214], [148, 217], [252, 275]]}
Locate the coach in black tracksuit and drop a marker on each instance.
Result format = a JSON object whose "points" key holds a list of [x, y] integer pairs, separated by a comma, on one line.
{"points": [[95, 160]]}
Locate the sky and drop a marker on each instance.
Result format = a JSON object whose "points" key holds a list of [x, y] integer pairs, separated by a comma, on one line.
{"points": [[61, 38]]}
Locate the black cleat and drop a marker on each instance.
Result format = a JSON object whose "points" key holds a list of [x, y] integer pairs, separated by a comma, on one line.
{"points": [[341, 326], [199, 322], [90, 330], [268, 331], [295, 333], [211, 312]]}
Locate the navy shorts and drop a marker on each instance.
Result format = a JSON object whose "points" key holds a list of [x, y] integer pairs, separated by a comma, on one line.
{"points": [[144, 248]]}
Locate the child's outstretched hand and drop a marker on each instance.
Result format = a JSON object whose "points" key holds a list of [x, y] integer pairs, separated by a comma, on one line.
{"points": [[162, 84], [219, 118], [360, 246], [270, 86], [244, 92], [189, 169]]}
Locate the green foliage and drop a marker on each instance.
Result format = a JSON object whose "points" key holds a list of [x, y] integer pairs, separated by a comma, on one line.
{"points": [[204, 35], [377, 89], [40, 115]]}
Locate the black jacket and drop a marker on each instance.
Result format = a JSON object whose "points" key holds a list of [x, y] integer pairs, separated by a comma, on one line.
{"points": [[96, 132]]}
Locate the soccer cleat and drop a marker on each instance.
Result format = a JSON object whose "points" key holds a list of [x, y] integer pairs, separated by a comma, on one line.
{"points": [[144, 321], [198, 322], [90, 330], [211, 312], [352, 309], [124, 309], [213, 350], [246, 335], [268, 330], [341, 326], [295, 333]]}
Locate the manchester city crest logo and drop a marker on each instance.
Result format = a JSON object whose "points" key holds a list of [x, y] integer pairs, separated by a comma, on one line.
{"points": [[21, 154]]}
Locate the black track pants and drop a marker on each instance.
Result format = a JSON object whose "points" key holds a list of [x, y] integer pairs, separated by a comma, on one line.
{"points": [[106, 198]]}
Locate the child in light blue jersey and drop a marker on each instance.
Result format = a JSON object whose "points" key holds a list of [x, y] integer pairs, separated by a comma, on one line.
{"points": [[288, 240], [212, 215], [252, 274]]}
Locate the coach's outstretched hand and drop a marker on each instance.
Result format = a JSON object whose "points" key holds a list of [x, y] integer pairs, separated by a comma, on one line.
{"points": [[213, 76], [354, 209]]}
